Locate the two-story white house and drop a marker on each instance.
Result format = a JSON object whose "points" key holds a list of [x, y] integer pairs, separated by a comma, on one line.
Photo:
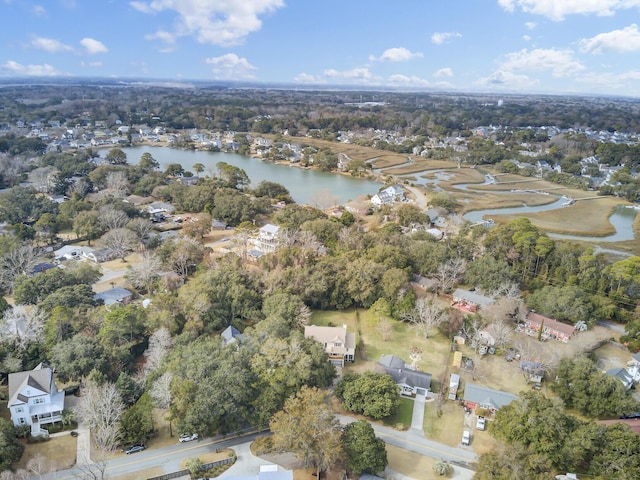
{"points": [[34, 399]]}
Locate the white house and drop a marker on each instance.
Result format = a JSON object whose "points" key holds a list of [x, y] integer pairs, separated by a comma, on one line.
{"points": [[268, 238], [634, 367], [34, 399], [623, 375], [74, 252], [388, 196]]}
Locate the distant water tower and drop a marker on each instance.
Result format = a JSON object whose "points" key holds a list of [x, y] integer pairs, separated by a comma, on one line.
{"points": [[500, 102]]}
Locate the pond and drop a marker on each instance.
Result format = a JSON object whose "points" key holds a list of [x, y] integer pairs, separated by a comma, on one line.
{"points": [[305, 186]]}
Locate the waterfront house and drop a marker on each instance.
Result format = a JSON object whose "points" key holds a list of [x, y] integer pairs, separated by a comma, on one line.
{"points": [[267, 241], [388, 196]]}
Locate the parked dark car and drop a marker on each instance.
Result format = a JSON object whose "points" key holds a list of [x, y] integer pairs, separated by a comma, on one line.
{"points": [[631, 415], [135, 448]]}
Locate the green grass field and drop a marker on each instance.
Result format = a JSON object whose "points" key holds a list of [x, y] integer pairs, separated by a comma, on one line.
{"points": [[403, 415]]}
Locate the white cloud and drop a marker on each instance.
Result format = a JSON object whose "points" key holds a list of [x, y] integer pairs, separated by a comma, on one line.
{"points": [[559, 62], [43, 70], [408, 81], [38, 11], [441, 37], [398, 54], [625, 40], [163, 35], [50, 45], [93, 46], [625, 83], [443, 73], [530, 25], [558, 9], [309, 79], [501, 79], [231, 67], [508, 5], [216, 22], [91, 64], [526, 38], [357, 74]]}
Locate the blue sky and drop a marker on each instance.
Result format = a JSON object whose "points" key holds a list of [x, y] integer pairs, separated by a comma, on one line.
{"points": [[501, 46]]}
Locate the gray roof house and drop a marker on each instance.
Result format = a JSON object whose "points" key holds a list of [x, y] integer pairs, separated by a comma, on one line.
{"points": [[34, 399], [114, 295], [470, 301], [477, 396], [232, 335], [623, 375], [411, 382]]}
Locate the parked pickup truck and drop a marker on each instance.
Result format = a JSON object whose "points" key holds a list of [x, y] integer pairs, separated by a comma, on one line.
{"points": [[481, 423], [466, 437]]}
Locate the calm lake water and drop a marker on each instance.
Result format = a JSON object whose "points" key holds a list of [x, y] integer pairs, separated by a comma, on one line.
{"points": [[305, 186]]}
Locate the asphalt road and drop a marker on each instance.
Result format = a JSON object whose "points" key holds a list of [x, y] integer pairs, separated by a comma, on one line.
{"points": [[616, 327], [170, 457]]}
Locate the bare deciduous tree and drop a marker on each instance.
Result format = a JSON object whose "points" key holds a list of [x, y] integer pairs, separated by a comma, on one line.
{"points": [[303, 317], [22, 324], [287, 237], [187, 253], [500, 332], [415, 355], [110, 218], [160, 342], [504, 309], [425, 316], [145, 272], [117, 183], [120, 241], [160, 393], [101, 408], [141, 227], [15, 262], [449, 272], [385, 328]]}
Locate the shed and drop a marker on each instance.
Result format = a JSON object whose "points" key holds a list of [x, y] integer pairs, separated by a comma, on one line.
{"points": [[457, 359]]}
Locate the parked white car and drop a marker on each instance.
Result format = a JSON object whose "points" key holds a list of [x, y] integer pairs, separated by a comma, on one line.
{"points": [[466, 437], [481, 423], [185, 437]]}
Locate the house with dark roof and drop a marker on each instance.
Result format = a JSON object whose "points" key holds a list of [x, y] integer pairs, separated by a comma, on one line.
{"points": [[477, 396], [623, 375], [411, 382], [232, 335], [34, 399]]}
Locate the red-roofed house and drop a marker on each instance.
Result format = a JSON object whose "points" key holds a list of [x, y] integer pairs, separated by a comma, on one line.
{"points": [[550, 328]]}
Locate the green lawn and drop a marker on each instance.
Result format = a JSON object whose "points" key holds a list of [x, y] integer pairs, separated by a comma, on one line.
{"points": [[435, 350], [403, 415]]}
